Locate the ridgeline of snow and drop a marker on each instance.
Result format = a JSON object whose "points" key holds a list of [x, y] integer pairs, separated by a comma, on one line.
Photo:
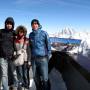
{"points": [[84, 47]]}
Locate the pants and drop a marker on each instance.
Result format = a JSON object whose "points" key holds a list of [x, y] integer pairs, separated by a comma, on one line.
{"points": [[12, 75], [40, 72], [4, 73], [22, 75]]}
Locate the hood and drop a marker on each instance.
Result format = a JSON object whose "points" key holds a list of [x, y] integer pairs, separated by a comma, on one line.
{"points": [[10, 20], [21, 29]]}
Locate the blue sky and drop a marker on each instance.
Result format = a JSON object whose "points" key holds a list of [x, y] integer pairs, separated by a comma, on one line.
{"points": [[54, 15]]}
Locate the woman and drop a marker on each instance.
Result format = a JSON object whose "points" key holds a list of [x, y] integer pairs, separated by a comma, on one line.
{"points": [[23, 70]]}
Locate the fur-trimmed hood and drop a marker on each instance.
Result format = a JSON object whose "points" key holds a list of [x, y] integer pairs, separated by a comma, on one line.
{"points": [[21, 28]]}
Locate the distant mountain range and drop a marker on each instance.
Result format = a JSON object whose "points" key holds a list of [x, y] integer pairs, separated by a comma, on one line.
{"points": [[71, 33]]}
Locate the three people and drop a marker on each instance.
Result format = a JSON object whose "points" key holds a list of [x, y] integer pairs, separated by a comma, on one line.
{"points": [[38, 49], [40, 52]]}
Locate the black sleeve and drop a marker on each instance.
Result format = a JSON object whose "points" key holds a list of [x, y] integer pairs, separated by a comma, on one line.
{"points": [[28, 53], [0, 35], [14, 38]]}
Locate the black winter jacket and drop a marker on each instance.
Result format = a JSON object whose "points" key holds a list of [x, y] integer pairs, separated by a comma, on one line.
{"points": [[6, 43]]}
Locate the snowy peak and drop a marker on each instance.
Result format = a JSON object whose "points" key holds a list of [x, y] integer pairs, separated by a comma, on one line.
{"points": [[67, 31]]}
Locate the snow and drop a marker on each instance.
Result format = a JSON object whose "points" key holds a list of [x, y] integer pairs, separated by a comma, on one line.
{"points": [[84, 47]]}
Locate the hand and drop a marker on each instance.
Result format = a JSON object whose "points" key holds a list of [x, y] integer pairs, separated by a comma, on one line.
{"points": [[29, 64], [50, 56]]}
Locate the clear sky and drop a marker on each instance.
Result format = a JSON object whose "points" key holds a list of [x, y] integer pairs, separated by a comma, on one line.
{"points": [[54, 15]]}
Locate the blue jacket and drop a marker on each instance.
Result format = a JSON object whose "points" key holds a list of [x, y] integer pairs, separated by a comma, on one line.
{"points": [[40, 43]]}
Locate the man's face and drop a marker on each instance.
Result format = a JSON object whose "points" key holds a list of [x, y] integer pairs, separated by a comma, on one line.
{"points": [[9, 26], [35, 26]]}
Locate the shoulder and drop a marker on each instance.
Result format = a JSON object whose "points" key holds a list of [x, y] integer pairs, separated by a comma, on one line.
{"points": [[44, 33], [30, 34], [13, 31], [1, 30]]}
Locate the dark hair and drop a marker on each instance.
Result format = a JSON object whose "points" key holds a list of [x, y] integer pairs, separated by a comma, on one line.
{"points": [[35, 21], [21, 29]]}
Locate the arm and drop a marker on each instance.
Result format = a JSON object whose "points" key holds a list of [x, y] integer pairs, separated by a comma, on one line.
{"points": [[48, 45], [0, 35], [14, 40], [28, 54]]}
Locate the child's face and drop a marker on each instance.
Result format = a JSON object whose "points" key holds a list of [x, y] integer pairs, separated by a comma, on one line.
{"points": [[35, 26], [21, 34], [9, 26]]}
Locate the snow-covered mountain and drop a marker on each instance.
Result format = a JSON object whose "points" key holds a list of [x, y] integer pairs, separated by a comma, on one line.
{"points": [[84, 47], [71, 33]]}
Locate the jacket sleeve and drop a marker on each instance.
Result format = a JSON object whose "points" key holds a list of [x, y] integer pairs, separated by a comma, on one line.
{"points": [[48, 45], [30, 43], [0, 35], [28, 54], [14, 39]]}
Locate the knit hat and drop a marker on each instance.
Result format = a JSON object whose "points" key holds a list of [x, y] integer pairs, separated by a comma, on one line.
{"points": [[35, 21]]}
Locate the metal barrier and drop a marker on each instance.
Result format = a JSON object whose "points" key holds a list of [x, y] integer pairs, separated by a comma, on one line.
{"points": [[74, 76]]}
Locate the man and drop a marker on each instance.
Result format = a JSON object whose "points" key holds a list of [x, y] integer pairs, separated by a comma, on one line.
{"points": [[40, 52], [6, 50]]}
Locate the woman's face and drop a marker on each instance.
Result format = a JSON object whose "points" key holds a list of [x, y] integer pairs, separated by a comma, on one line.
{"points": [[21, 34]]}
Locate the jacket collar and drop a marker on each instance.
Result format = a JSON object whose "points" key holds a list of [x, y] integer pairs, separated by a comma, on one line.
{"points": [[8, 30], [36, 31]]}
